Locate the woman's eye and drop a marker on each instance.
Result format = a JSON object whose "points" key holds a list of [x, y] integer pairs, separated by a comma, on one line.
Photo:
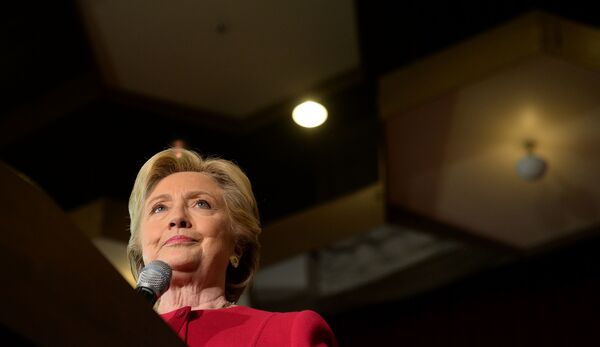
{"points": [[158, 208], [202, 204]]}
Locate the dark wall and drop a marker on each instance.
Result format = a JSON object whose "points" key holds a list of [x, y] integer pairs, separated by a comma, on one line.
{"points": [[543, 300]]}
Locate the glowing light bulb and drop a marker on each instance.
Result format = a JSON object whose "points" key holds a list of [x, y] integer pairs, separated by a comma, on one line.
{"points": [[309, 114]]}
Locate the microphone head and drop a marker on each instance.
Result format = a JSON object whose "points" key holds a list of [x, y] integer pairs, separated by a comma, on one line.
{"points": [[155, 276]]}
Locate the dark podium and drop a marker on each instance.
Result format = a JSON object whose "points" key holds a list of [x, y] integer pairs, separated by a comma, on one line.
{"points": [[56, 288]]}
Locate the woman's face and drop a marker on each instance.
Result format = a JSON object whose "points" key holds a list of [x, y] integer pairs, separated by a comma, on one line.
{"points": [[185, 224]]}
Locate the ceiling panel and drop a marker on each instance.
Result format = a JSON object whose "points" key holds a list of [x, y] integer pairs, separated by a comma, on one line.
{"points": [[470, 138], [228, 57]]}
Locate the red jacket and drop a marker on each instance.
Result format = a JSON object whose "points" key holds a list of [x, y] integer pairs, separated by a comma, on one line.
{"points": [[244, 326]]}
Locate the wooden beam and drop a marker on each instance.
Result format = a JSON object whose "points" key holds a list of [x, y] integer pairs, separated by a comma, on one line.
{"points": [[485, 54], [405, 218], [322, 225]]}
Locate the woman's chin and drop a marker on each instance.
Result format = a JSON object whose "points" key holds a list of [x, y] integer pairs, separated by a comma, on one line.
{"points": [[181, 261]]}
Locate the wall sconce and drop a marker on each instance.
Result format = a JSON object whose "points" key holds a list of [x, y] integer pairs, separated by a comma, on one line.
{"points": [[531, 167]]}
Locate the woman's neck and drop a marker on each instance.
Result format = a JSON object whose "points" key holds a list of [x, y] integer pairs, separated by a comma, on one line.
{"points": [[197, 296]]}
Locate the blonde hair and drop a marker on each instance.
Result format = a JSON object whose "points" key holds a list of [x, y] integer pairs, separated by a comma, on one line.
{"points": [[239, 201]]}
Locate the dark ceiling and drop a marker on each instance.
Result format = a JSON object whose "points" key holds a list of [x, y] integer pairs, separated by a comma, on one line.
{"points": [[96, 149]]}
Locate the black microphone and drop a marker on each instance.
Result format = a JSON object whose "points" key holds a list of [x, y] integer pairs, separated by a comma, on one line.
{"points": [[154, 280]]}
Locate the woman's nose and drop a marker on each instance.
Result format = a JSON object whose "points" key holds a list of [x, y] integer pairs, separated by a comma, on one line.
{"points": [[180, 222]]}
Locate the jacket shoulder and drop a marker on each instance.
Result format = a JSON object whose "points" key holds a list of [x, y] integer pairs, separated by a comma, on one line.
{"points": [[297, 329]]}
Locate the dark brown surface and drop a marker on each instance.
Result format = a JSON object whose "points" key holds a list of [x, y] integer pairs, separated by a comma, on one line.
{"points": [[57, 289], [548, 299]]}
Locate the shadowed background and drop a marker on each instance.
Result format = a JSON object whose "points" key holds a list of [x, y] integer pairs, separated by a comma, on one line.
{"points": [[401, 219]]}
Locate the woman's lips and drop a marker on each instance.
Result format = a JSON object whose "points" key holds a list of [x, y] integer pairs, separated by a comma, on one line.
{"points": [[179, 239]]}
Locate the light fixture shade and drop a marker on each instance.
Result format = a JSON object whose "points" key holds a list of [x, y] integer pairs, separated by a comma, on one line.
{"points": [[531, 167]]}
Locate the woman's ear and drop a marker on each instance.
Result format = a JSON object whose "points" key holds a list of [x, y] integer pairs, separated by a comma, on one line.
{"points": [[238, 248]]}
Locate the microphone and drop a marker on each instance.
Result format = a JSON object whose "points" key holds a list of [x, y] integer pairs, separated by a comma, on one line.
{"points": [[154, 280]]}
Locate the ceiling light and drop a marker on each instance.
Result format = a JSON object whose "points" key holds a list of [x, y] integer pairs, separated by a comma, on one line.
{"points": [[309, 114], [531, 167]]}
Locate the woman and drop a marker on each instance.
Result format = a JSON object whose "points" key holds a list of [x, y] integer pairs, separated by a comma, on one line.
{"points": [[200, 217]]}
